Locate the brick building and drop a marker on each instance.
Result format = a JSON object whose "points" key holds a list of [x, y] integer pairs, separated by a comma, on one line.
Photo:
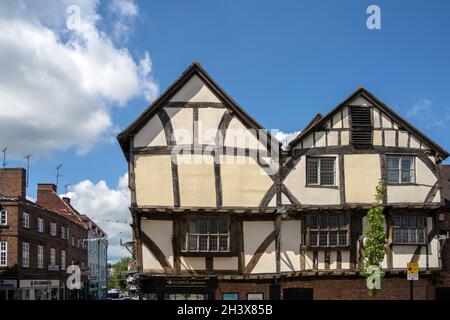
{"points": [[37, 244]]}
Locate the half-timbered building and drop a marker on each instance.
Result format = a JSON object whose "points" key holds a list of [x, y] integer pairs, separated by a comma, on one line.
{"points": [[221, 210]]}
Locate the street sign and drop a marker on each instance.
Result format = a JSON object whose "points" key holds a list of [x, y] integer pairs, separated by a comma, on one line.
{"points": [[413, 271]]}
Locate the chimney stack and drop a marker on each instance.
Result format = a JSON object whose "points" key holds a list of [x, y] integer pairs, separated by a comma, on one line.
{"points": [[66, 200], [13, 182]]}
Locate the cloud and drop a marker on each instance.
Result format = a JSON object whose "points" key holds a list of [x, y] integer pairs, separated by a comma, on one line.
{"points": [[124, 13], [108, 207], [285, 137], [58, 84], [423, 112]]}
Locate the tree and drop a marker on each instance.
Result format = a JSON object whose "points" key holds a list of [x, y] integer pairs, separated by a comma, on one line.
{"points": [[375, 240], [119, 274]]}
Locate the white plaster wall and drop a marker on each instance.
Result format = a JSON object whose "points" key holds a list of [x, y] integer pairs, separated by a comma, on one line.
{"points": [[152, 134], [225, 263], [160, 231], [403, 139], [193, 263], [194, 91], [345, 117], [290, 245], [332, 138], [345, 255], [254, 234], [208, 124], [320, 139], [389, 138], [296, 183], [337, 121], [182, 120], [359, 101], [308, 142], [309, 263], [238, 135]]}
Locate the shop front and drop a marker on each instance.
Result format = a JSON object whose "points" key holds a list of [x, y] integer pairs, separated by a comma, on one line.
{"points": [[8, 289], [179, 288], [39, 289]]}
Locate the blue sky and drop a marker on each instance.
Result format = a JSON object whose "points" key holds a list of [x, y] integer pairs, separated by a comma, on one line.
{"points": [[282, 61]]}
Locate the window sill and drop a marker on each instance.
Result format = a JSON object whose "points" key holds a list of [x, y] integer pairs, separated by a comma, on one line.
{"points": [[402, 184], [319, 248], [207, 254], [320, 186], [408, 244]]}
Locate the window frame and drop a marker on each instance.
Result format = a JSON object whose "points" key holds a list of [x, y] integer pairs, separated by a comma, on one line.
{"points": [[416, 228], [319, 172], [3, 217], [185, 234], [53, 229], [25, 220], [52, 257], [318, 230], [400, 169], [40, 225], [4, 253], [63, 259], [25, 255], [40, 257]]}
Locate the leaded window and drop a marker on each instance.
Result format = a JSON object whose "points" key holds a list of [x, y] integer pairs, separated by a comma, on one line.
{"points": [[327, 230], [212, 234], [401, 169], [320, 171], [409, 229]]}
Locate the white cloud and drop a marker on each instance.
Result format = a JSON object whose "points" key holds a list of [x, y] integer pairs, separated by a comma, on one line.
{"points": [[57, 85], [423, 112], [124, 13], [285, 137], [108, 207]]}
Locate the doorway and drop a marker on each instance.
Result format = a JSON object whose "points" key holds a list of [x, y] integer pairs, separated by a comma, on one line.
{"points": [[298, 294]]}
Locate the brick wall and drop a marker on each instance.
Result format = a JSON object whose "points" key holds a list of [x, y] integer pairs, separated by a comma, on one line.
{"points": [[12, 182]]}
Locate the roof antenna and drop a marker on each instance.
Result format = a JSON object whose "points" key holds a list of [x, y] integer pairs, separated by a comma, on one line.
{"points": [[28, 156], [57, 176], [66, 187], [4, 157]]}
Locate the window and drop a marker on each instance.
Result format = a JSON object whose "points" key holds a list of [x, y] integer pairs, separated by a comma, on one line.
{"points": [[206, 235], [53, 229], [40, 257], [78, 243], [64, 233], [52, 256], [400, 169], [3, 253], [230, 296], [327, 230], [73, 241], [409, 229], [25, 254], [40, 225], [3, 218], [255, 296], [320, 171], [26, 220], [63, 259]]}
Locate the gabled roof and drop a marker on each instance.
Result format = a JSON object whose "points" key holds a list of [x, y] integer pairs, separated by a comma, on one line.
{"points": [[194, 69], [363, 92]]}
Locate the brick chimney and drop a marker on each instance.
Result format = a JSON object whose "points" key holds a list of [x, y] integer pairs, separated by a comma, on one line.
{"points": [[66, 200], [12, 182]]}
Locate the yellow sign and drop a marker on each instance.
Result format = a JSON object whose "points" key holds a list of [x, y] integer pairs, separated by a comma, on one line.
{"points": [[413, 271]]}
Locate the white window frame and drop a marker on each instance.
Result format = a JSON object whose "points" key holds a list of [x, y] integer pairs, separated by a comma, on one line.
{"points": [[40, 257], [400, 168], [64, 233], [3, 218], [52, 256], [3, 253], [40, 225], [53, 229], [26, 220], [63, 259], [25, 255]]}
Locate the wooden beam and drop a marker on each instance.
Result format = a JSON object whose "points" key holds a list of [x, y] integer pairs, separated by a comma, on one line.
{"points": [[156, 251], [259, 252]]}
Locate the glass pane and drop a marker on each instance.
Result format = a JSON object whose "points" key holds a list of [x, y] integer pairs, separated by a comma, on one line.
{"points": [[213, 226], [203, 244], [193, 226], [343, 222], [313, 240], [333, 238], [412, 222], [343, 238], [393, 176], [333, 222], [223, 226], [327, 172], [405, 222], [323, 222], [421, 235], [407, 176], [323, 239], [405, 236], [393, 162], [212, 243], [420, 222], [397, 221], [192, 243], [407, 163], [223, 243], [412, 236], [312, 171], [397, 235], [203, 226], [313, 222]]}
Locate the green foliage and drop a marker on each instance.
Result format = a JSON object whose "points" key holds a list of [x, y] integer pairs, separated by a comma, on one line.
{"points": [[375, 235], [119, 276]]}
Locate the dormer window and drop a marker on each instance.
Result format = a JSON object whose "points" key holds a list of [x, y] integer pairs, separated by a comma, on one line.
{"points": [[361, 123]]}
